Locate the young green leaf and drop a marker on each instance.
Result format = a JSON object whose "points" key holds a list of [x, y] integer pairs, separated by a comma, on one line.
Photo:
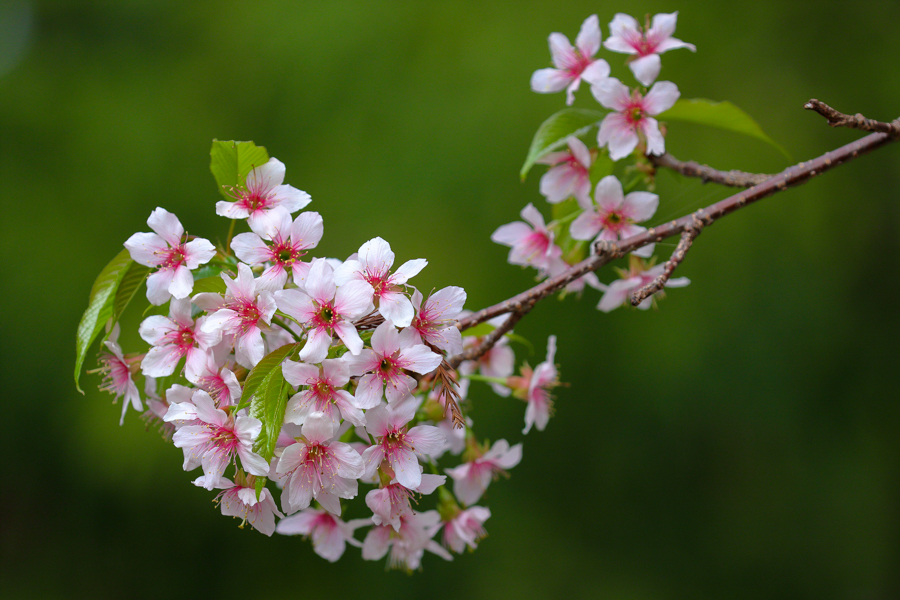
{"points": [[723, 115], [101, 304], [480, 330], [268, 405], [259, 373], [231, 161], [128, 287], [553, 132], [215, 285]]}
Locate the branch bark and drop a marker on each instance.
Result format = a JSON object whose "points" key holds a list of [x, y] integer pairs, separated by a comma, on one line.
{"points": [[605, 252], [706, 173], [838, 119]]}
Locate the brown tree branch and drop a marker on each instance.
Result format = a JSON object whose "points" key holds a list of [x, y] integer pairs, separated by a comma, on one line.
{"points": [[706, 174], [684, 244], [522, 303], [838, 119], [493, 337]]}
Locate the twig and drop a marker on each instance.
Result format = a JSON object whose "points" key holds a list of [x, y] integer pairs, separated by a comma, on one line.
{"points": [[687, 238], [448, 394], [370, 321], [800, 173], [493, 337], [707, 174], [858, 121]]}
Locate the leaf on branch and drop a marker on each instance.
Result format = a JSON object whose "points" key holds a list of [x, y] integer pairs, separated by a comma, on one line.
{"points": [[231, 161], [266, 392], [101, 306], [215, 285], [262, 370], [480, 330], [552, 133], [722, 115], [128, 287]]}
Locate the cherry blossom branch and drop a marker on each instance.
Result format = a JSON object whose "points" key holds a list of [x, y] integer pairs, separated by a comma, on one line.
{"points": [[605, 252], [493, 337], [838, 119], [706, 174], [687, 238]]}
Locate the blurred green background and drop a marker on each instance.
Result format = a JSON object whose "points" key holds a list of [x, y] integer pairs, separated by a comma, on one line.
{"points": [[740, 442]]}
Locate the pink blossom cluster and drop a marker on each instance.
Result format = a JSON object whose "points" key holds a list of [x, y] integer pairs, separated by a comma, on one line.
{"points": [[590, 204], [631, 121], [360, 407]]}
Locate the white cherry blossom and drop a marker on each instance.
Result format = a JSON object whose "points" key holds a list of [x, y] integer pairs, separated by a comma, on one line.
{"points": [[572, 64]]}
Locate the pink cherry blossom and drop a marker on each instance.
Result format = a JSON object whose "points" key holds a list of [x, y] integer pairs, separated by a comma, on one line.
{"points": [[633, 118], [217, 380], [116, 373], [576, 286], [175, 260], [645, 45], [542, 380], [531, 242], [373, 265], [323, 392], [435, 320], [570, 174], [637, 277], [391, 502], [382, 367], [466, 529], [329, 534], [263, 191], [325, 310], [614, 216], [317, 467], [289, 243], [471, 479], [243, 313], [157, 407], [217, 439], [408, 543], [174, 337], [395, 445], [572, 64], [498, 362], [239, 500]]}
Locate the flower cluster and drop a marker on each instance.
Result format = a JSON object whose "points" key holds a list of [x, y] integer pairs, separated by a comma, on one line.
{"points": [[346, 350], [590, 204], [291, 380]]}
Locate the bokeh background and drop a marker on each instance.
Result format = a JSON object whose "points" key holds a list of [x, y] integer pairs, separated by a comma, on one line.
{"points": [[740, 442]]}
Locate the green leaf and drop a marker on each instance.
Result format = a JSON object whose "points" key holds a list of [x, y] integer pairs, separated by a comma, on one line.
{"points": [[259, 373], [260, 485], [723, 115], [480, 330], [231, 161], [553, 132], [268, 404], [100, 308], [214, 285], [128, 287]]}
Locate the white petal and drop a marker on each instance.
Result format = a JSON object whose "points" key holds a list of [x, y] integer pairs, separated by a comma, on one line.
{"points": [[661, 97], [646, 69], [166, 225], [588, 40]]}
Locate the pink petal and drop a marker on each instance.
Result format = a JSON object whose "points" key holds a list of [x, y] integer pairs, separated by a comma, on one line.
{"points": [[646, 69], [612, 94], [548, 81], [166, 225], [661, 97], [588, 40], [250, 248]]}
